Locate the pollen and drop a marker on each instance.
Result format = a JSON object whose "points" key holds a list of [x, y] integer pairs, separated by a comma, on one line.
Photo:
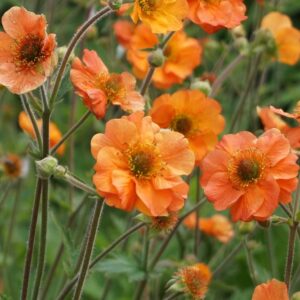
{"points": [[29, 51], [144, 161], [147, 5], [182, 124], [246, 167]]}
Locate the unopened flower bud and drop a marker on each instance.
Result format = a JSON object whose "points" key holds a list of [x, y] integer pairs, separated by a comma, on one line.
{"points": [[115, 4], [246, 227], [61, 51], [264, 42], [264, 224], [238, 32], [296, 296], [203, 86], [92, 32], [46, 167], [156, 58], [242, 45]]}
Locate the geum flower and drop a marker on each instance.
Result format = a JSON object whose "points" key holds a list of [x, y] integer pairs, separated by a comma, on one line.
{"points": [[98, 88], [250, 175], [161, 15], [54, 133], [217, 226], [26, 51], [213, 15], [270, 118], [286, 37], [194, 280], [193, 114], [138, 165], [271, 290], [182, 55]]}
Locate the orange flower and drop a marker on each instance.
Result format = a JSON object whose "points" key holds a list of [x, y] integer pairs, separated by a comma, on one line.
{"points": [[213, 15], [26, 51], [139, 166], [270, 119], [193, 114], [124, 31], [195, 280], [217, 226], [161, 15], [272, 290], [98, 87], [250, 175], [287, 38], [191, 221], [182, 56], [165, 223], [12, 165], [54, 133]]}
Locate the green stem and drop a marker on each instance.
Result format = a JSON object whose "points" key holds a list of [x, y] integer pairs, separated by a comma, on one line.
{"points": [[74, 41], [272, 258], [89, 248], [290, 255], [197, 229], [31, 239], [250, 263], [30, 113], [174, 296], [5, 194], [70, 131], [68, 287]]}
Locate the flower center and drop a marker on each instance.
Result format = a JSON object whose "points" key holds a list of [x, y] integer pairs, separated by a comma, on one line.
{"points": [[182, 124], [147, 5], [246, 167], [30, 51], [143, 160]]}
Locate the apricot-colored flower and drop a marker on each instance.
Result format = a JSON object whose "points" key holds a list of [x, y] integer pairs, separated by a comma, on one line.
{"points": [[213, 15], [195, 280], [250, 175], [164, 223], [270, 119], [124, 31], [139, 165], [287, 38], [54, 133], [161, 15], [12, 165], [26, 51], [182, 56], [98, 87], [272, 290], [193, 114], [191, 221], [217, 226]]}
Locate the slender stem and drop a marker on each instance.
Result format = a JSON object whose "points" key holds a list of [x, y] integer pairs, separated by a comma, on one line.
{"points": [[225, 74], [30, 113], [174, 296], [74, 41], [151, 69], [286, 210], [270, 249], [31, 239], [169, 237], [228, 259], [143, 283], [79, 184], [250, 263], [5, 194], [67, 288], [89, 248], [70, 131], [290, 255]]}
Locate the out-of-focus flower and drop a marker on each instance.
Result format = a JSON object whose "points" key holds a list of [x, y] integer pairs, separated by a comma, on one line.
{"points": [[182, 56], [11, 165], [287, 38], [139, 166], [191, 221], [217, 226], [271, 119], [194, 280], [250, 175], [194, 115], [54, 133], [124, 9], [271, 290], [161, 16], [27, 54], [214, 15], [124, 31], [98, 87]]}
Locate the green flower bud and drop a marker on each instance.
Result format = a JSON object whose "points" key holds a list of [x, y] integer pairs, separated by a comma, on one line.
{"points": [[46, 167], [156, 58], [203, 86], [296, 296], [246, 227], [115, 4]]}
